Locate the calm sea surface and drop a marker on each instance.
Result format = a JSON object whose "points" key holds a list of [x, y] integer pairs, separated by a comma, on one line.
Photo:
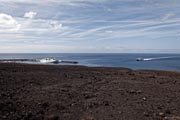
{"points": [[154, 61]]}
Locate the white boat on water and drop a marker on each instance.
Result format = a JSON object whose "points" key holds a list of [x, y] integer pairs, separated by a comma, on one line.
{"points": [[139, 59], [49, 60]]}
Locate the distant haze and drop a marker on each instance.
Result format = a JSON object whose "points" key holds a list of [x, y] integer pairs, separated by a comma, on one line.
{"points": [[90, 26]]}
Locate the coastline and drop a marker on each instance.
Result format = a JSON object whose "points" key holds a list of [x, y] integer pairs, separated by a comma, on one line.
{"points": [[50, 92], [79, 65]]}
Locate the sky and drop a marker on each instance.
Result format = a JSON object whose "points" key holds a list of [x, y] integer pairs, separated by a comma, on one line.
{"points": [[89, 26]]}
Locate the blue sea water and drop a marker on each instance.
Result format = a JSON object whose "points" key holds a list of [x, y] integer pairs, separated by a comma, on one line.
{"points": [[156, 61]]}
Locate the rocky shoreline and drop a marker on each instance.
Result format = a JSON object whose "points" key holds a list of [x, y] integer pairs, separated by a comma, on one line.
{"points": [[42, 92]]}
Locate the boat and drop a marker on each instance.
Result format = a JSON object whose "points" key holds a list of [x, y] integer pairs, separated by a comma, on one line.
{"points": [[139, 59], [49, 60]]}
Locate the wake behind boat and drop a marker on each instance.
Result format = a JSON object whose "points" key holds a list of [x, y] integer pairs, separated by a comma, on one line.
{"points": [[156, 58]]}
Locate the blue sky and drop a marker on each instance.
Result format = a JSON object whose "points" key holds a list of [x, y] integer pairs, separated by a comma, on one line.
{"points": [[90, 26]]}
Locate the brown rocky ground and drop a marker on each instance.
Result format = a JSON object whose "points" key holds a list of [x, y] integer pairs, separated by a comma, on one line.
{"points": [[40, 92]]}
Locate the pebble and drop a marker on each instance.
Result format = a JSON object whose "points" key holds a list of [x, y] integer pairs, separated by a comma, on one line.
{"points": [[161, 114], [4, 117], [132, 92], [135, 92], [168, 111], [52, 117], [146, 114], [139, 91], [144, 98]]}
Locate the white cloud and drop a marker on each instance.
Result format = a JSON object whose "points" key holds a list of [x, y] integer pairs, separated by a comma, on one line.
{"points": [[168, 16], [30, 15], [55, 25], [8, 23], [41, 26]]}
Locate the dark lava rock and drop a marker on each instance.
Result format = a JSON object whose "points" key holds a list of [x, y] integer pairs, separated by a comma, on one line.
{"points": [[52, 117], [87, 93]]}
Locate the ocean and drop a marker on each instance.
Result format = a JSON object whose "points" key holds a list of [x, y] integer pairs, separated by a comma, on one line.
{"points": [[170, 62]]}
